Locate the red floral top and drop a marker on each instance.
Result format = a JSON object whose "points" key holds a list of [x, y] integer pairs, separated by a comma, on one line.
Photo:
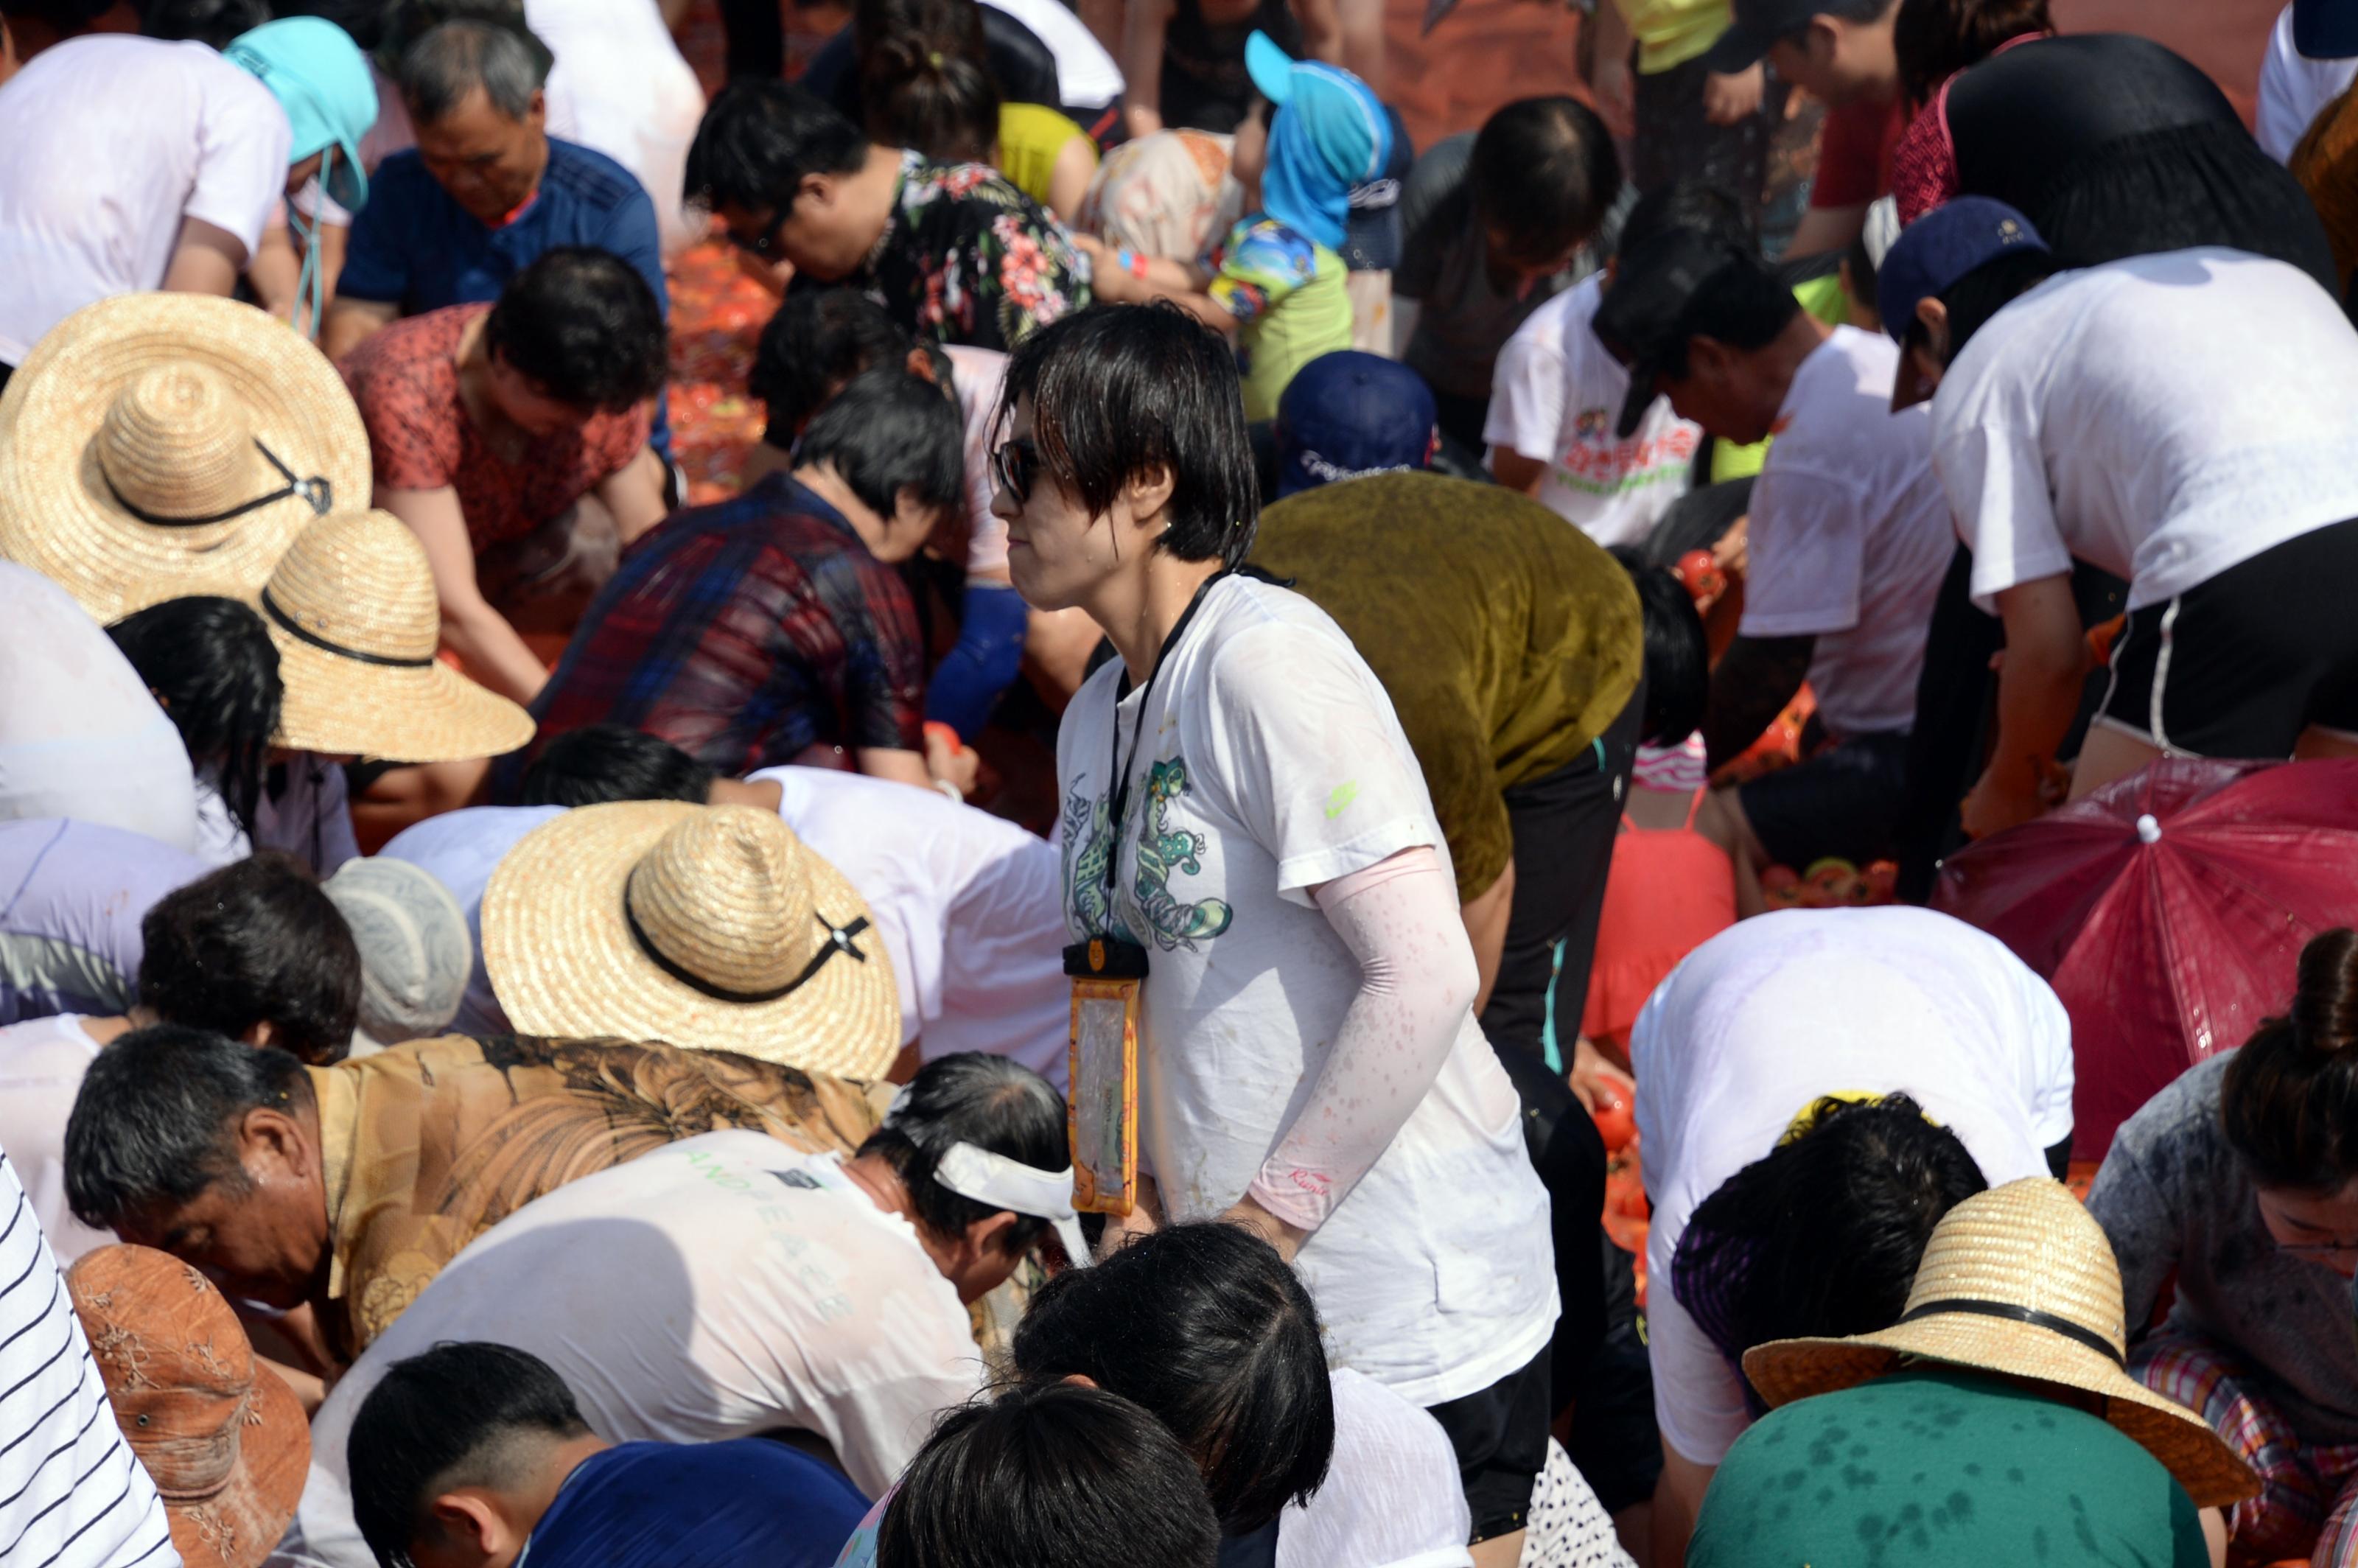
{"points": [[406, 380]]}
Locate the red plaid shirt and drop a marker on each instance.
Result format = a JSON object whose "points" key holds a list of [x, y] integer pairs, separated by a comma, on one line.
{"points": [[746, 632]]}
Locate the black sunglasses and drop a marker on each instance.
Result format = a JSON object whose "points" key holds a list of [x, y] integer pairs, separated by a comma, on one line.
{"points": [[1015, 465]]}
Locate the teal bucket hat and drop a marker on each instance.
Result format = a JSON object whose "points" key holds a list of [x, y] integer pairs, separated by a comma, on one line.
{"points": [[321, 78]]}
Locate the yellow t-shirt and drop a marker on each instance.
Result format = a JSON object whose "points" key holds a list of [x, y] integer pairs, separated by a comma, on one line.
{"points": [[1672, 32], [1030, 138]]}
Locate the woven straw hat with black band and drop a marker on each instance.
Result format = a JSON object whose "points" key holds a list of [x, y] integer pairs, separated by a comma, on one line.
{"points": [[710, 926], [353, 610], [2021, 1281], [159, 445]]}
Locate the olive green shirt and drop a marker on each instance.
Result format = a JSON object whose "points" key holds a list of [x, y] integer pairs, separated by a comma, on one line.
{"points": [[1507, 639]]}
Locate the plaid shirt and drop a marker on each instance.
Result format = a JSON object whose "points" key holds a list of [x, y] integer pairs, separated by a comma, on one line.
{"points": [[744, 633]]}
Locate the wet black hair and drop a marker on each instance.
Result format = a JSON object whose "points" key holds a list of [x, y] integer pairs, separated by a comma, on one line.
{"points": [[465, 1413], [584, 324], [214, 670], [1049, 1476], [889, 430], [1204, 1326], [1544, 175], [1678, 655], [1000, 1107], [156, 1120], [218, 23], [602, 763], [255, 942], [2289, 1103], [815, 343], [1695, 204], [1119, 390], [758, 141]]}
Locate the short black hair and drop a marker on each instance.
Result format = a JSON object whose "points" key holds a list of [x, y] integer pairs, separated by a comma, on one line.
{"points": [[1821, 1236], [1981, 293], [465, 1413], [1847, 10], [887, 431], [451, 59], [584, 324], [1045, 1477], [1742, 305], [212, 666], [1544, 174], [818, 340], [218, 23], [602, 762], [759, 139], [1695, 205], [1000, 1107], [68, 16], [1204, 1326], [1117, 390], [155, 1122], [255, 942], [1678, 655]]}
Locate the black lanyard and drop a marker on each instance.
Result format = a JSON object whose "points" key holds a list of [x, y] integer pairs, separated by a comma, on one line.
{"points": [[1118, 797]]}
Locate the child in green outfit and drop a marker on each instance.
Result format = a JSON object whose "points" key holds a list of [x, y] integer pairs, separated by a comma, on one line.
{"points": [[1275, 281]]}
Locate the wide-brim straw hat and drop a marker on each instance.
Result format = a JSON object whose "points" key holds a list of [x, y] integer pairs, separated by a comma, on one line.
{"points": [[710, 926], [223, 1439], [2020, 1280], [352, 610], [136, 418]]}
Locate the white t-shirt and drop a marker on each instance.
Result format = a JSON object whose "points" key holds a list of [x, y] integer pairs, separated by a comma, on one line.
{"points": [[2163, 418], [1392, 1498], [1273, 766], [977, 375], [79, 735], [1556, 398], [1740, 1039], [719, 1287], [112, 140], [2294, 88], [42, 1060], [1850, 534], [1085, 74], [619, 85]]}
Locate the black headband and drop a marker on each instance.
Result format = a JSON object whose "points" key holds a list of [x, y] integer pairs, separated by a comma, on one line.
{"points": [[839, 940], [288, 624], [2012, 1314], [315, 489]]}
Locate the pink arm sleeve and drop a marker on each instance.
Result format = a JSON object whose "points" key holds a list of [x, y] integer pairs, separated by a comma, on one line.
{"points": [[1400, 919]]}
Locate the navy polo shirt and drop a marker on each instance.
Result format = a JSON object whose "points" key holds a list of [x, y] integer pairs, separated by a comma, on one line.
{"points": [[413, 246]]}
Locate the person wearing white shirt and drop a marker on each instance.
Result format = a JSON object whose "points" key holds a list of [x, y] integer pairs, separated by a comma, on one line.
{"points": [[1739, 1050], [1086, 76], [1848, 541], [2180, 420], [726, 1286], [2311, 60]]}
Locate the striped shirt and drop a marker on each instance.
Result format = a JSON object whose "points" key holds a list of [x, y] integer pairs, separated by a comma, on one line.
{"points": [[71, 1495]]}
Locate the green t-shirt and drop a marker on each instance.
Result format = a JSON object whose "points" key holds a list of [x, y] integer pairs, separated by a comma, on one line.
{"points": [[1505, 638], [1286, 292], [1939, 1469]]}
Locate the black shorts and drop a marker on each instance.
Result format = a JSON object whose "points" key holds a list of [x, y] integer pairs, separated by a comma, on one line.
{"points": [[1844, 800], [1501, 1436], [2239, 666]]}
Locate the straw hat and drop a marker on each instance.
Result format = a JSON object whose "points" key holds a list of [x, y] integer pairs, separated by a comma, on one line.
{"points": [[2022, 1281], [352, 607], [155, 445], [711, 926], [223, 1438]]}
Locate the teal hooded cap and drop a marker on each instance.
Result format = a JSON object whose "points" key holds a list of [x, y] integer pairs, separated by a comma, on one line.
{"points": [[321, 78]]}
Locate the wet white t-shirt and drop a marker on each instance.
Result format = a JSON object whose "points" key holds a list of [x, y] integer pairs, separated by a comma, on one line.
{"points": [[1392, 1499], [1741, 1039], [723, 1286], [1273, 765], [2163, 418], [110, 140], [1556, 398], [1850, 534]]}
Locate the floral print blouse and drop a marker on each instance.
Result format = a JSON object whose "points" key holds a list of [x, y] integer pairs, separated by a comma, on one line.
{"points": [[968, 258]]}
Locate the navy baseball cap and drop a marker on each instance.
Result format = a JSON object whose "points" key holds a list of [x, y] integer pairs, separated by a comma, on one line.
{"points": [[1757, 25], [1347, 415], [2325, 29], [1647, 314]]}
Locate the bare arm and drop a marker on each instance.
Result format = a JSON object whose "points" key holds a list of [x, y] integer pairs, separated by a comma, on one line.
{"points": [[1485, 926], [1678, 1497], [1321, 29], [635, 494], [1826, 229], [351, 322], [1515, 471], [206, 259], [471, 627], [892, 763], [1181, 283], [1756, 678], [2038, 697], [277, 273], [1104, 20], [1142, 24], [1069, 180], [1612, 78]]}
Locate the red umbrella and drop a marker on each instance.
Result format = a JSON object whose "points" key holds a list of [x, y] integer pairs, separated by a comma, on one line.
{"points": [[2168, 910]]}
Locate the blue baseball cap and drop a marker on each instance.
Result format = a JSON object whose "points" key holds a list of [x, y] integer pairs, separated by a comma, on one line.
{"points": [[1334, 139], [322, 81], [1943, 246], [1347, 415]]}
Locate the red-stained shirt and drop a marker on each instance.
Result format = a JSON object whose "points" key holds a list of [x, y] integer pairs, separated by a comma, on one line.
{"points": [[406, 380], [1854, 154]]}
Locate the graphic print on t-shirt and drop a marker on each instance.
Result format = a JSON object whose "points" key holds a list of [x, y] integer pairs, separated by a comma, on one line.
{"points": [[1164, 851]]}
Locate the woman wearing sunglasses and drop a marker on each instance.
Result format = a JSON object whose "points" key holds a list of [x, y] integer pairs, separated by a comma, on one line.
{"points": [[1247, 834]]}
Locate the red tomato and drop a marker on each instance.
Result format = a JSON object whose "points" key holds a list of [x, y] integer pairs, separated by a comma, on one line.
{"points": [[1616, 1121]]}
